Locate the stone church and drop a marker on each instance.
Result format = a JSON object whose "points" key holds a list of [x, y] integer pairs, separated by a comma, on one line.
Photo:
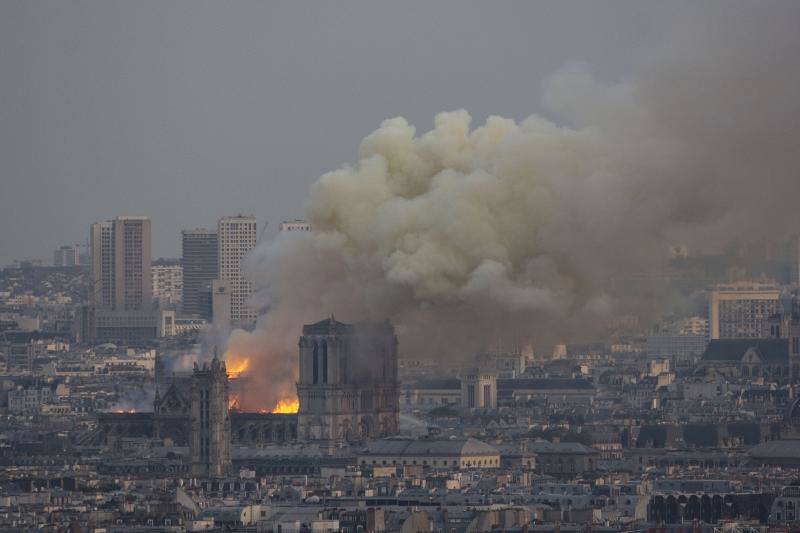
{"points": [[348, 391], [348, 386]]}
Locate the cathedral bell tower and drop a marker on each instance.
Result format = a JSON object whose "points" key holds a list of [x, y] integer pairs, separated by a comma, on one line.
{"points": [[210, 422], [348, 387], [794, 339]]}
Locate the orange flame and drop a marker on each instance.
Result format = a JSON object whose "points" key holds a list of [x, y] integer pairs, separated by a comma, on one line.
{"points": [[287, 406], [233, 402], [236, 367]]}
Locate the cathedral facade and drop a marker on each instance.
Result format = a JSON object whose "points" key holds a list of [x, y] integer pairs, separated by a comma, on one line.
{"points": [[348, 386]]}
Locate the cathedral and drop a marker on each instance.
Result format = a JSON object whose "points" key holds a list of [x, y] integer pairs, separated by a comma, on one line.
{"points": [[348, 385], [348, 391]]}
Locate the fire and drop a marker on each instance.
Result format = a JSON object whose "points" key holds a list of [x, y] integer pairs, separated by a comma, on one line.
{"points": [[286, 407], [236, 367], [233, 402]]}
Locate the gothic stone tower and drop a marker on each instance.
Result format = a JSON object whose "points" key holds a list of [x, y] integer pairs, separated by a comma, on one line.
{"points": [[348, 386], [794, 339], [211, 425]]}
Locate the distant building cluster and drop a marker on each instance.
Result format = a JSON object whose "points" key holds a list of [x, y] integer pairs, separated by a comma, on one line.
{"points": [[71, 255], [116, 414], [134, 299]]}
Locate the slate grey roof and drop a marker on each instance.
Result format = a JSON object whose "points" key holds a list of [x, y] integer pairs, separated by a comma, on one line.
{"points": [[403, 446], [777, 449], [545, 384], [546, 447], [223, 514], [732, 350]]}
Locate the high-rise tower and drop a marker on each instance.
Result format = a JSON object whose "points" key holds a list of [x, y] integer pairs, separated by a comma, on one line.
{"points": [[200, 260], [210, 421], [237, 237], [121, 261]]}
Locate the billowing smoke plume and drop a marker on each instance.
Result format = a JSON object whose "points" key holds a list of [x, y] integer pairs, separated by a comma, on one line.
{"points": [[464, 234]]}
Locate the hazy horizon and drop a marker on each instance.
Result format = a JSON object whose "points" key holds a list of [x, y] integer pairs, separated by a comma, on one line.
{"points": [[189, 111]]}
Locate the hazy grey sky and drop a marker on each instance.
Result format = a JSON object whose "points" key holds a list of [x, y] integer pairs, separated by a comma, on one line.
{"points": [[187, 111]]}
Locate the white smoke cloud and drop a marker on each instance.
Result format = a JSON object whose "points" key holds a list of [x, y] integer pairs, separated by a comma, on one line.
{"points": [[464, 233]]}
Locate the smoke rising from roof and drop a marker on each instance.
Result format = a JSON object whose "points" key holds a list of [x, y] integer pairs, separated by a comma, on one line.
{"points": [[465, 234]]}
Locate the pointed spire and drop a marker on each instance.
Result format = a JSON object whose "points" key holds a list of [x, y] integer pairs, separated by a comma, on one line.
{"points": [[215, 352]]}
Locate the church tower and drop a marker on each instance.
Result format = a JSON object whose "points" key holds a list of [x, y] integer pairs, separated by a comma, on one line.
{"points": [[348, 387], [794, 339], [210, 422]]}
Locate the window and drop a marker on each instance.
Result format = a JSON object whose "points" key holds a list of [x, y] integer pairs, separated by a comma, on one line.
{"points": [[325, 361], [315, 364]]}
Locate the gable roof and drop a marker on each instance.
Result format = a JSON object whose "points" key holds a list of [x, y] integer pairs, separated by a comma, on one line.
{"points": [[732, 350], [326, 327]]}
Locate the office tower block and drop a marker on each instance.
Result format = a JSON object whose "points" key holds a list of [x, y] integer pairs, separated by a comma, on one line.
{"points": [[121, 262], [200, 260]]}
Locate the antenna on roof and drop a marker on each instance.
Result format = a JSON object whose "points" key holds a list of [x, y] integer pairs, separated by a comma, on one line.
{"points": [[266, 223]]}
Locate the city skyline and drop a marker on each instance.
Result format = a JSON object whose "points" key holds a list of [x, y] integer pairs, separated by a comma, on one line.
{"points": [[382, 268]]}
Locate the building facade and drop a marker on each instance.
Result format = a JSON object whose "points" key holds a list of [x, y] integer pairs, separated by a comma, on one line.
{"points": [[121, 263], [742, 310], [200, 260], [67, 256], [237, 237], [479, 386], [348, 387], [438, 454], [167, 282], [220, 296], [680, 346], [295, 226]]}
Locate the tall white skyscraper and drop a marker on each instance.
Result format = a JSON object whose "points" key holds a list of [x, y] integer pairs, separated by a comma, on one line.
{"points": [[237, 237]]}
